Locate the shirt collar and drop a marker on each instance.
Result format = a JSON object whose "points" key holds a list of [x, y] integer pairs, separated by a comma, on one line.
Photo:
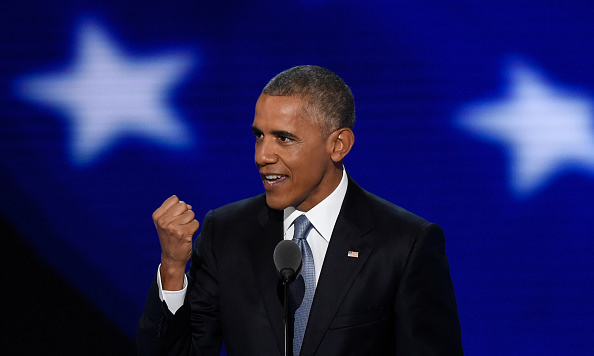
{"points": [[322, 216]]}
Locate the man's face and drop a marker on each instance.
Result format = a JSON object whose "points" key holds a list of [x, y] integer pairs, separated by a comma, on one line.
{"points": [[291, 154]]}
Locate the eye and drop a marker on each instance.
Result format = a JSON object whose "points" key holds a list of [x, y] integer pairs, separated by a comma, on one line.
{"points": [[257, 133], [259, 136], [285, 139]]}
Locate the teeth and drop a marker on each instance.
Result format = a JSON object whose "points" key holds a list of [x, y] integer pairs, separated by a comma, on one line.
{"points": [[272, 176]]}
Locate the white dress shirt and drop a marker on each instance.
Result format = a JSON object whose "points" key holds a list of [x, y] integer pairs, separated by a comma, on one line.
{"points": [[322, 217]]}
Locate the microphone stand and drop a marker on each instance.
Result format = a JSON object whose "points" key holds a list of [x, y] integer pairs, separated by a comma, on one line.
{"points": [[287, 259], [287, 320]]}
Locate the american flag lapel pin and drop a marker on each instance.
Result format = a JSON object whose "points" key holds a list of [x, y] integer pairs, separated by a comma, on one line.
{"points": [[353, 254]]}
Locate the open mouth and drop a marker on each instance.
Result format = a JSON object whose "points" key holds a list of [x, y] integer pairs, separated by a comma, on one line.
{"points": [[272, 179]]}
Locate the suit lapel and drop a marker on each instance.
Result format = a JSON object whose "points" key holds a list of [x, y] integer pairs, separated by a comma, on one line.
{"points": [[264, 270], [339, 269]]}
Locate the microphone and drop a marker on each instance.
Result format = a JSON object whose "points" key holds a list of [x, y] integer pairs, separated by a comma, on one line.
{"points": [[287, 258]]}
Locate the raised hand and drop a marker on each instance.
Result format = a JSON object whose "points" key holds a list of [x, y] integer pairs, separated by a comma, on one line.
{"points": [[176, 225]]}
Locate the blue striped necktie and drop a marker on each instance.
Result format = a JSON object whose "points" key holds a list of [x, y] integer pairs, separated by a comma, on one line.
{"points": [[302, 228]]}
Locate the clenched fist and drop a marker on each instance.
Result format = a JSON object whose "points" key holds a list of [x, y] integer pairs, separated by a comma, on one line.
{"points": [[176, 226]]}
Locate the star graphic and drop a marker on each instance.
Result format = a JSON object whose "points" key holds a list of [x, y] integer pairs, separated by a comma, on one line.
{"points": [[108, 96], [547, 129]]}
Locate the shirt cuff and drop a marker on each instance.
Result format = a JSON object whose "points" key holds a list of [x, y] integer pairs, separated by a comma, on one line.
{"points": [[173, 299]]}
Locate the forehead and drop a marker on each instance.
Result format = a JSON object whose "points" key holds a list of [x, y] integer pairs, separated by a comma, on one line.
{"points": [[286, 111], [269, 105]]}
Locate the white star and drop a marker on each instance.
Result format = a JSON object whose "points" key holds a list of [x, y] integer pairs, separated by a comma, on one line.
{"points": [[108, 96], [546, 129]]}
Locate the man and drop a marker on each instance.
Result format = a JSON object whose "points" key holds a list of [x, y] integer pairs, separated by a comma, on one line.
{"points": [[379, 277]]}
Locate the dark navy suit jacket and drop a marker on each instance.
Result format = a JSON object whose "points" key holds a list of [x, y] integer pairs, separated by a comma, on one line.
{"points": [[395, 298]]}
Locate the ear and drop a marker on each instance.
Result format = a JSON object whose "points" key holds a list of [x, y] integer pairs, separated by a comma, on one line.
{"points": [[341, 141]]}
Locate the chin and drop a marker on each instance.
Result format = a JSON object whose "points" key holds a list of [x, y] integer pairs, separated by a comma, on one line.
{"points": [[275, 203]]}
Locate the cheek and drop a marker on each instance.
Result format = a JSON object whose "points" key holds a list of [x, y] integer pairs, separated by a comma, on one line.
{"points": [[311, 169], [306, 162]]}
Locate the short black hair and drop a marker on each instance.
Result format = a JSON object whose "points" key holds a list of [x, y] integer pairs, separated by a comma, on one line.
{"points": [[328, 99]]}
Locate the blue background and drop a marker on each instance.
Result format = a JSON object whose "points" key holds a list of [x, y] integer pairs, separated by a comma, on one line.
{"points": [[521, 263]]}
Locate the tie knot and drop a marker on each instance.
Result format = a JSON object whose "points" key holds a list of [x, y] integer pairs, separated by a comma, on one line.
{"points": [[302, 227]]}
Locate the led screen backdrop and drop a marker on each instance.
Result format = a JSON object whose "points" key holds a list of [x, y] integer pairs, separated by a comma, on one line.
{"points": [[477, 115]]}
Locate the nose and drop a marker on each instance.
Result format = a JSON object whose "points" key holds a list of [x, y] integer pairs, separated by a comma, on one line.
{"points": [[265, 152]]}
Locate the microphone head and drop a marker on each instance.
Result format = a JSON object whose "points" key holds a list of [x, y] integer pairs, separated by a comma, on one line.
{"points": [[287, 258]]}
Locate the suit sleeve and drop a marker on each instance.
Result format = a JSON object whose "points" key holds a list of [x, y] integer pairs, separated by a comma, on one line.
{"points": [[427, 320], [203, 298], [159, 331], [195, 328]]}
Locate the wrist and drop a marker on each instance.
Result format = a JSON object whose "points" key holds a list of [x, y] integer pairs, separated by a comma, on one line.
{"points": [[172, 275]]}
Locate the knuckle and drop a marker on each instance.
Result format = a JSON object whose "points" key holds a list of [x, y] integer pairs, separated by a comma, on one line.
{"points": [[173, 229], [161, 222], [155, 215]]}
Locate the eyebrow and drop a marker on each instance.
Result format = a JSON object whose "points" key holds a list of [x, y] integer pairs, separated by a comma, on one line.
{"points": [[281, 133], [256, 130]]}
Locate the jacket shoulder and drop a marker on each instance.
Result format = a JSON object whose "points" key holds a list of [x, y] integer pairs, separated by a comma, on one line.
{"points": [[247, 205], [379, 210], [389, 211]]}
